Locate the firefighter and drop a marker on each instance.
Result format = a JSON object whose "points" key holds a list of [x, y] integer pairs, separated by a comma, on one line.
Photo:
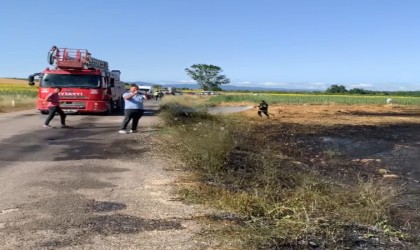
{"points": [[263, 108], [161, 94]]}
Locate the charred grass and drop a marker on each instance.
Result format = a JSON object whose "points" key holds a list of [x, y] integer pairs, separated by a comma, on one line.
{"points": [[281, 186]]}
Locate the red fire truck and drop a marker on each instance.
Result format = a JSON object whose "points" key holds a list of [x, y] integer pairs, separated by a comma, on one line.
{"points": [[88, 86]]}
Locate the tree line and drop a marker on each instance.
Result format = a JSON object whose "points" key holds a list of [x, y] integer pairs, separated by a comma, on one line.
{"points": [[340, 89], [209, 77]]}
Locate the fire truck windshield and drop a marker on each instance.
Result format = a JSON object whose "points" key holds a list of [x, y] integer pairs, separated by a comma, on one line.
{"points": [[70, 81]]}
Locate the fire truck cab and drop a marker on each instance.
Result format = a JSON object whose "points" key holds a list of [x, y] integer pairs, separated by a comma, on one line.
{"points": [[88, 86]]}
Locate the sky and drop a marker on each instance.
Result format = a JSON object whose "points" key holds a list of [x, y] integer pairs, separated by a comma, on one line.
{"points": [[291, 44]]}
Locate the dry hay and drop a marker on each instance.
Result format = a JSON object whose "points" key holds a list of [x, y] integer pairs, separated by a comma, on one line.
{"points": [[13, 81], [330, 115]]}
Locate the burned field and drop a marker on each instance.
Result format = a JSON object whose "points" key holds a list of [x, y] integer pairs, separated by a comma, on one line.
{"points": [[310, 176], [346, 145], [378, 140]]}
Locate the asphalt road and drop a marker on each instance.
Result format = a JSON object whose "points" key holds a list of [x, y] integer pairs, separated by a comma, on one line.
{"points": [[87, 187]]}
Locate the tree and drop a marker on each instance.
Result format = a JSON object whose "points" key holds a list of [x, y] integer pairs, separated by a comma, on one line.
{"points": [[207, 76], [336, 89], [360, 91], [157, 86]]}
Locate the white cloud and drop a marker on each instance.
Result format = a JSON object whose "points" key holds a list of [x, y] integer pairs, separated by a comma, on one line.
{"points": [[313, 86], [260, 84], [274, 84], [186, 81], [322, 84], [242, 83], [360, 86]]}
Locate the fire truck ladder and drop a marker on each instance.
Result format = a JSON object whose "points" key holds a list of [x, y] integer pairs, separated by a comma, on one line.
{"points": [[75, 59]]}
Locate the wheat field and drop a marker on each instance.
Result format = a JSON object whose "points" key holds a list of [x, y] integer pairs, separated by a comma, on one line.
{"points": [[19, 81]]}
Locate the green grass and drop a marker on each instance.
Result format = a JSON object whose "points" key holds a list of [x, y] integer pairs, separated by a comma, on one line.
{"points": [[313, 99]]}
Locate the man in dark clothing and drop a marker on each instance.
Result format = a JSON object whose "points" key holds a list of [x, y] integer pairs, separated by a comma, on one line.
{"points": [[263, 108], [53, 105]]}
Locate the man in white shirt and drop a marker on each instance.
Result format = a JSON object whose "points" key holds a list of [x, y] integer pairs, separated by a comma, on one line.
{"points": [[133, 109]]}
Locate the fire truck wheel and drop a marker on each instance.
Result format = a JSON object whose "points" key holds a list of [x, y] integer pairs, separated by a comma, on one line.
{"points": [[44, 112]]}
